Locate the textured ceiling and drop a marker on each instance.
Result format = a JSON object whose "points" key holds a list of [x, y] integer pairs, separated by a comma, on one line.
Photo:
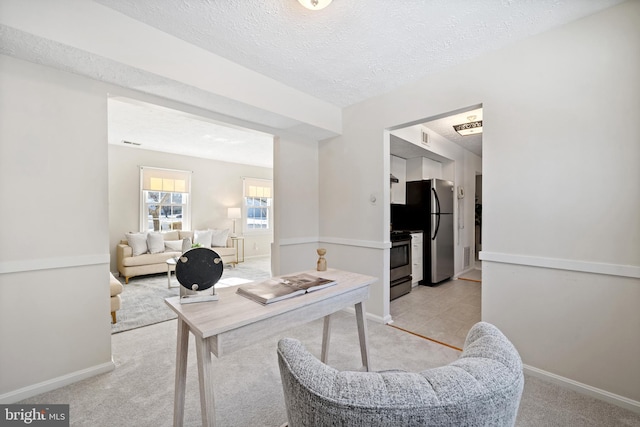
{"points": [[351, 51]]}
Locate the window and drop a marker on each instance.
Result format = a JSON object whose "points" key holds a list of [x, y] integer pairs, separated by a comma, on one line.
{"points": [[257, 204], [165, 196]]}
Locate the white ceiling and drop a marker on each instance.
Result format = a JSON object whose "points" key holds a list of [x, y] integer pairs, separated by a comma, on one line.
{"points": [[344, 54], [353, 49], [171, 131]]}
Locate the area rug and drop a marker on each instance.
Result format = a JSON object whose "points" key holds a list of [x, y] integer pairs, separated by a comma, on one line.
{"points": [[143, 297]]}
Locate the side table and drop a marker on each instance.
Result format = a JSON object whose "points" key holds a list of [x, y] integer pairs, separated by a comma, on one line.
{"points": [[170, 262], [237, 241]]}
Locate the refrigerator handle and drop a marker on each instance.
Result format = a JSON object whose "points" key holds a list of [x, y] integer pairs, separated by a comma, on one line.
{"points": [[435, 225], [435, 195]]}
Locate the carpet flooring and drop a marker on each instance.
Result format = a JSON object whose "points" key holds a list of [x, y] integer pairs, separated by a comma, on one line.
{"points": [[143, 297], [247, 385]]}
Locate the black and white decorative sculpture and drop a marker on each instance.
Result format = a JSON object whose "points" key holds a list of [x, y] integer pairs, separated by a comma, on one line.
{"points": [[197, 270]]}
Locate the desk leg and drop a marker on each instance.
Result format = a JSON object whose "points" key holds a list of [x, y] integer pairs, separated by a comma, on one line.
{"points": [[203, 352], [326, 332], [182, 349], [168, 276], [362, 334]]}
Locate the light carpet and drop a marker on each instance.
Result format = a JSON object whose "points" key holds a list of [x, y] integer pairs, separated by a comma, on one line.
{"points": [[248, 389], [143, 298]]}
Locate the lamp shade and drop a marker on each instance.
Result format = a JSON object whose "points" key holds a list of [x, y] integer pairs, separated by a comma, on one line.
{"points": [[234, 213]]}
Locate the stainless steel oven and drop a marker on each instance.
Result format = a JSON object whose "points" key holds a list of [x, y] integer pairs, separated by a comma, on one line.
{"points": [[400, 264]]}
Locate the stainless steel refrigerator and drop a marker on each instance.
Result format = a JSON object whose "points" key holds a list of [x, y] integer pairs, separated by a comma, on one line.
{"points": [[429, 208]]}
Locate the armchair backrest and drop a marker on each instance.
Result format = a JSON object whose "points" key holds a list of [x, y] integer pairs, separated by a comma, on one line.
{"points": [[482, 388]]}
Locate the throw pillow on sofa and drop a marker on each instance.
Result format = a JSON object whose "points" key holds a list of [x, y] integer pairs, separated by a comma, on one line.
{"points": [[155, 243], [219, 237], [138, 243], [203, 237], [173, 245]]}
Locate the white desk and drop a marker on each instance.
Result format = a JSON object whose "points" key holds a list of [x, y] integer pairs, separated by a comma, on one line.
{"points": [[235, 322]]}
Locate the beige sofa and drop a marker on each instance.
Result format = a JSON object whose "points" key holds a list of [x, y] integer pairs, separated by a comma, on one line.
{"points": [[137, 259], [116, 289]]}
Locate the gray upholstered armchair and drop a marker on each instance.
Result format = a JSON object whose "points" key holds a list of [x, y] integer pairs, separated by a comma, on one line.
{"points": [[482, 388]]}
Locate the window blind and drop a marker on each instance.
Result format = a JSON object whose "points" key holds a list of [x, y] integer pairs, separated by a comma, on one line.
{"points": [[256, 187], [170, 180]]}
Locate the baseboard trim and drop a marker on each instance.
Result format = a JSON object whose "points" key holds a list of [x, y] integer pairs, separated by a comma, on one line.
{"points": [[615, 399], [369, 316], [54, 383], [468, 270], [563, 264]]}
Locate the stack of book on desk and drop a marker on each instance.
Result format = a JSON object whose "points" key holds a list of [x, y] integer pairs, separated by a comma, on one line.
{"points": [[280, 288]]}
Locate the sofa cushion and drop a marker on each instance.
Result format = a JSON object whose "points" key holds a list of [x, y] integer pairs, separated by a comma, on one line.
{"points": [[224, 251], [155, 243], [147, 259], [203, 237], [171, 235], [186, 234], [219, 237], [138, 242], [173, 245]]}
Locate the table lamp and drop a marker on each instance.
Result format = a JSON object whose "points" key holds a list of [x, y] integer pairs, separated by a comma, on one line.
{"points": [[234, 213]]}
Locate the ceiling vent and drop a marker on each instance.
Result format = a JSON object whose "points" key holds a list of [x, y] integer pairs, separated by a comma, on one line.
{"points": [[131, 143], [425, 138]]}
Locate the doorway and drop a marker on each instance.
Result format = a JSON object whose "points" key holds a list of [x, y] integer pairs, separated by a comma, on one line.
{"points": [[478, 220], [219, 158], [443, 312]]}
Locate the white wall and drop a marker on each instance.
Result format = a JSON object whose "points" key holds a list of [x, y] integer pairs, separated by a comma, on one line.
{"points": [[215, 186], [54, 283], [296, 207], [54, 157], [561, 187]]}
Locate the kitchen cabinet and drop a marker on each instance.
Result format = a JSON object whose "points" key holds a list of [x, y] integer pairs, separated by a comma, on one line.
{"points": [[417, 270]]}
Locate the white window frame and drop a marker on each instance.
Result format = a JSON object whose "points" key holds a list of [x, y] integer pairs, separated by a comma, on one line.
{"points": [[168, 181], [257, 188]]}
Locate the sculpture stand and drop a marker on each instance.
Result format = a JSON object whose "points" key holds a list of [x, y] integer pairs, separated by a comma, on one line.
{"points": [[190, 296], [322, 262]]}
